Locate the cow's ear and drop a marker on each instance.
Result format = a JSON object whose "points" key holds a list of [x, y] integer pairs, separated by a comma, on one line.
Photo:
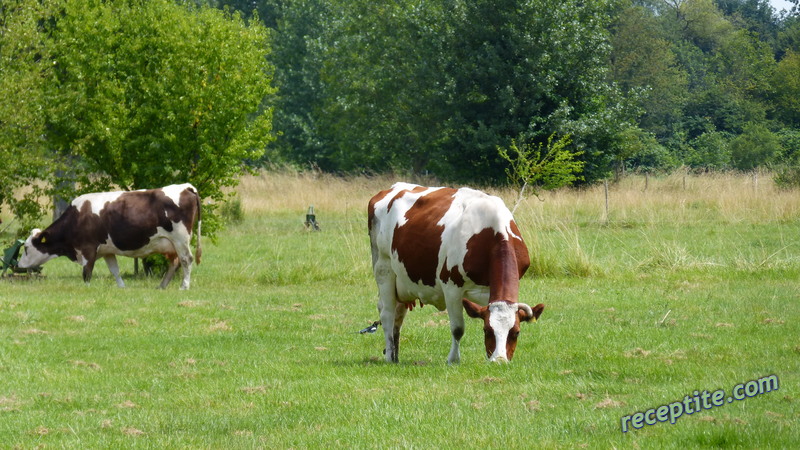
{"points": [[535, 312], [474, 310]]}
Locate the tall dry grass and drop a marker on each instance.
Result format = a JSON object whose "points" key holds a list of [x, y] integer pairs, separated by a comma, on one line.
{"points": [[565, 229], [678, 198], [291, 191]]}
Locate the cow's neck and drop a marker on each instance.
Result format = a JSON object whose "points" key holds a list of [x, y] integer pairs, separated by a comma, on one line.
{"points": [[504, 277]]}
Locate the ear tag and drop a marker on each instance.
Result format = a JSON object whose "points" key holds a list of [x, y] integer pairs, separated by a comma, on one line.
{"points": [[42, 241], [534, 320]]}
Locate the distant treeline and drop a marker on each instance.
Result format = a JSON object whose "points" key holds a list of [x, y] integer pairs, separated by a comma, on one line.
{"points": [[144, 93], [437, 87]]}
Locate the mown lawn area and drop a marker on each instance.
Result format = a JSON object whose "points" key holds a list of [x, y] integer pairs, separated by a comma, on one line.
{"points": [[645, 304]]}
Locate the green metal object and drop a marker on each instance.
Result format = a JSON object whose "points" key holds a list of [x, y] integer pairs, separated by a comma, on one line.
{"points": [[11, 259], [311, 220]]}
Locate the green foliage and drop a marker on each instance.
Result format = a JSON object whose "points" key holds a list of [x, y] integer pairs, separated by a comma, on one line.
{"points": [[533, 165], [756, 147], [647, 70], [695, 68], [24, 73], [163, 94], [231, 211], [139, 94], [787, 167], [133, 95], [710, 151], [438, 87], [786, 84]]}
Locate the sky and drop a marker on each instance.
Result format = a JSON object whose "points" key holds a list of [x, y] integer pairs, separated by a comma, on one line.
{"points": [[780, 4]]}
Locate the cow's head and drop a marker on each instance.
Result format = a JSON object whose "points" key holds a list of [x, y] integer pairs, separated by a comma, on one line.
{"points": [[501, 325], [37, 250]]}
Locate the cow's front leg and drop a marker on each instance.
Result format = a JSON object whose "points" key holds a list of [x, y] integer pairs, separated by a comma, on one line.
{"points": [[456, 317], [88, 268], [113, 267]]}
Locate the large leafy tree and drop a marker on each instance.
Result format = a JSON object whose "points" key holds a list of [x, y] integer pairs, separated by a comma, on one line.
{"points": [[149, 93], [387, 87], [786, 81], [24, 73], [647, 70], [439, 86]]}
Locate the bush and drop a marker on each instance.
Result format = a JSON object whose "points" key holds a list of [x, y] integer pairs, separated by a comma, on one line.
{"points": [[787, 174], [787, 177], [231, 211], [710, 151], [756, 147]]}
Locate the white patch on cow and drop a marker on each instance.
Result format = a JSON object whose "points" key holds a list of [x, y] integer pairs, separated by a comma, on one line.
{"points": [[97, 200], [502, 318], [32, 257], [80, 259], [174, 191], [400, 206]]}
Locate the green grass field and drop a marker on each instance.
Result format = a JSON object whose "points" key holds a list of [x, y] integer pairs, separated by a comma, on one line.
{"points": [[676, 289]]}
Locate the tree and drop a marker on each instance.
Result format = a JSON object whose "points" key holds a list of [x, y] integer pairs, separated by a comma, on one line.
{"points": [[299, 103], [387, 92], [149, 93], [647, 71], [754, 148], [427, 86], [25, 70], [531, 165], [786, 82]]}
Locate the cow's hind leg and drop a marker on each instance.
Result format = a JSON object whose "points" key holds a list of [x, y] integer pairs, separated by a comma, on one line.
{"points": [[391, 311], [113, 267], [186, 259]]}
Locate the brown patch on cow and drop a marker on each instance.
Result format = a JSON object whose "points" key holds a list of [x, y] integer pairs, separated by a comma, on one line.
{"points": [[54, 239], [417, 242], [134, 217], [520, 250], [451, 274], [477, 259], [493, 261]]}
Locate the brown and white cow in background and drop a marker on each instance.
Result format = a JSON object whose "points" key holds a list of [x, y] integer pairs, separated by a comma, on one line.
{"points": [[448, 248], [134, 224]]}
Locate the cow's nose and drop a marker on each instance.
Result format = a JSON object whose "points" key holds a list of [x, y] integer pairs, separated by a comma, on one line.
{"points": [[498, 359]]}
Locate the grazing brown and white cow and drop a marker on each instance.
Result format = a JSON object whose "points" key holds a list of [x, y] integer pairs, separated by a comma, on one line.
{"points": [[448, 248], [134, 224]]}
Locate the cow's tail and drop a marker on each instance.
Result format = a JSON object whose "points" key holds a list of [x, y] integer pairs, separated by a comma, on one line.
{"points": [[198, 251]]}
